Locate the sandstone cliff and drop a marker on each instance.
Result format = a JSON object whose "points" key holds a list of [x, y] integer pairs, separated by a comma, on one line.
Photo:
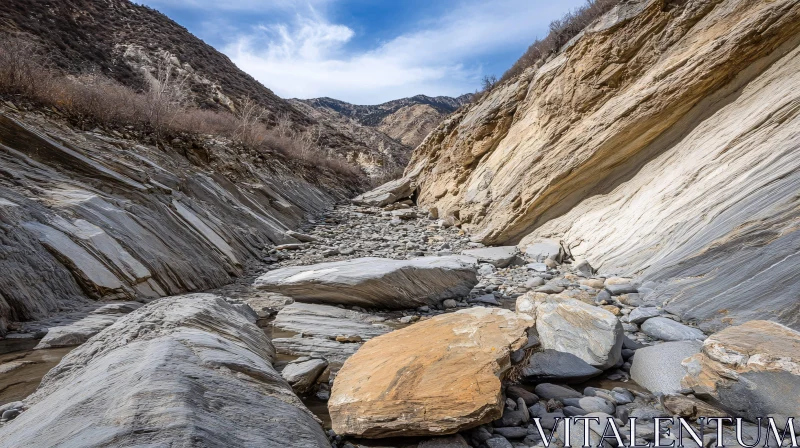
{"points": [[660, 142]]}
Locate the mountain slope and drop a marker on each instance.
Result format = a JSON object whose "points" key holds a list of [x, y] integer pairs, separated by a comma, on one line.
{"points": [[661, 142], [407, 120], [130, 43]]}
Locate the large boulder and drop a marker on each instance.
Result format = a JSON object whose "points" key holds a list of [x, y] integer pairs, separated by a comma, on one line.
{"points": [[571, 326], [182, 371], [658, 368], [376, 282], [499, 256], [388, 193], [752, 369], [435, 377]]}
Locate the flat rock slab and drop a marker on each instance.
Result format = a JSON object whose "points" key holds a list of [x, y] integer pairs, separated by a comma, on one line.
{"points": [[332, 351], [753, 369], [542, 249], [435, 377], [182, 371], [669, 330], [376, 282], [80, 331], [658, 368], [327, 321], [499, 256]]}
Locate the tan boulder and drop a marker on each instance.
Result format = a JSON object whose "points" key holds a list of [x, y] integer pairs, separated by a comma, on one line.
{"points": [[435, 377], [752, 369]]}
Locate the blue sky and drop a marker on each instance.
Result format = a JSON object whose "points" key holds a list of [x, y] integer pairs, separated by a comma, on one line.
{"points": [[368, 51]]}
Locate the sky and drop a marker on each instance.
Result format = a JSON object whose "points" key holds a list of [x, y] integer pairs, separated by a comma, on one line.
{"points": [[368, 51]]}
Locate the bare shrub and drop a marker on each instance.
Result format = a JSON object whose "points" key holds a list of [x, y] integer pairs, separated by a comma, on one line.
{"points": [[166, 95], [561, 31], [23, 67], [93, 99], [250, 130], [201, 121]]}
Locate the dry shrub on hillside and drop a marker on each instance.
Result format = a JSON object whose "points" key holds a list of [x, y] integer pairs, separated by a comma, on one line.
{"points": [[561, 31], [91, 100]]}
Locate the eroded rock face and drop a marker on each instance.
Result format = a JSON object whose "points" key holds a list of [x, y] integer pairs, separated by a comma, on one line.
{"points": [[660, 142], [432, 378], [87, 216], [376, 282], [182, 371], [752, 369]]}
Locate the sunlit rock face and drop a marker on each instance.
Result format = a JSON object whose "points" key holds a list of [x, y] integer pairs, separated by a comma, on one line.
{"points": [[659, 143]]}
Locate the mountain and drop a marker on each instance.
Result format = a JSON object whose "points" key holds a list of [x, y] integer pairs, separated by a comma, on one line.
{"points": [[407, 120], [661, 142], [129, 43]]}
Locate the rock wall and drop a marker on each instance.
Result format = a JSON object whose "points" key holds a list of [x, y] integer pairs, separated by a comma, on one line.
{"points": [[182, 371], [86, 216], [661, 142]]}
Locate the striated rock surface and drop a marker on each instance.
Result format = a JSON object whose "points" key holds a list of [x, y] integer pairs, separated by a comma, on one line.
{"points": [[435, 377], [84, 216], [388, 193], [661, 143], [182, 371], [329, 322], [372, 282], [752, 369]]}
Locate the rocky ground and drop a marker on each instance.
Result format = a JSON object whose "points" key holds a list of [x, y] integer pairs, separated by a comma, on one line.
{"points": [[554, 378], [384, 311]]}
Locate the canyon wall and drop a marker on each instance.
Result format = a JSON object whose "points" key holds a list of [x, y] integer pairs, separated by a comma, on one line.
{"points": [[662, 142], [90, 216]]}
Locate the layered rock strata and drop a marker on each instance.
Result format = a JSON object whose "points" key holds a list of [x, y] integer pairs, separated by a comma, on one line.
{"points": [[182, 371], [660, 142]]}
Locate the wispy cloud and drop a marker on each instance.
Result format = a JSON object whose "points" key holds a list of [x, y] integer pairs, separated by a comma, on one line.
{"points": [[302, 52]]}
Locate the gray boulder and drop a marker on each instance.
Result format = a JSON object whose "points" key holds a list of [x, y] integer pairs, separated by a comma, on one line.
{"points": [[302, 375], [388, 193], [571, 326], [182, 371], [311, 319], [455, 441], [554, 391], [500, 256], [332, 351], [552, 365], [658, 368], [669, 330], [641, 314], [376, 282]]}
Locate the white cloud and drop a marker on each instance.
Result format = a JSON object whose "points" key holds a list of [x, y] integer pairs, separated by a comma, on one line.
{"points": [[306, 57]]}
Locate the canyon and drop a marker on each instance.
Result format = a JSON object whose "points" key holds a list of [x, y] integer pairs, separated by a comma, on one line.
{"points": [[612, 234]]}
